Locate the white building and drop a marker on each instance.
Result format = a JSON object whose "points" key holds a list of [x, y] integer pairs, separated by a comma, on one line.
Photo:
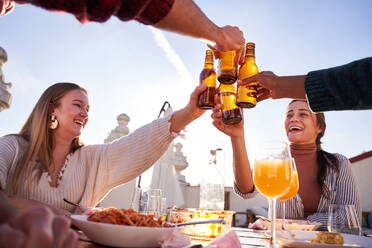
{"points": [[362, 169]]}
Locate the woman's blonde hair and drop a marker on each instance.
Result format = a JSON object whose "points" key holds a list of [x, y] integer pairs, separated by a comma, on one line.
{"points": [[38, 153]]}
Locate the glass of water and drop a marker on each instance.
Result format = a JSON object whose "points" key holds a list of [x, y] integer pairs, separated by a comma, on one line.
{"points": [[343, 219], [147, 201]]}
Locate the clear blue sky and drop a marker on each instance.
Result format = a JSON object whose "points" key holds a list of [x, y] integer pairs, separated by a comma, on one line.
{"points": [[126, 71]]}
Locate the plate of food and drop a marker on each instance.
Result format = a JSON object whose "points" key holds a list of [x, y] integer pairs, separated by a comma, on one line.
{"points": [[123, 228], [302, 225], [315, 239]]}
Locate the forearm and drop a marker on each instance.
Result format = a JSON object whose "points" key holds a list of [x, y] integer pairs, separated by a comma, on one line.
{"points": [[291, 87], [181, 118], [241, 167], [182, 17]]}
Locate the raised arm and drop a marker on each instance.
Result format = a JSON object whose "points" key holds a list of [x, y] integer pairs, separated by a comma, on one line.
{"points": [[126, 158], [186, 18], [181, 118], [272, 86], [241, 166], [345, 87], [178, 16]]}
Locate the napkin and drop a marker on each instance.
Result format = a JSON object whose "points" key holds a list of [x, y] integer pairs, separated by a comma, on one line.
{"points": [[228, 240], [176, 240], [259, 224]]}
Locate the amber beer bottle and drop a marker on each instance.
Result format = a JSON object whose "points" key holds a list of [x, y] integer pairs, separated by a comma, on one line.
{"points": [[208, 77], [247, 94], [227, 70], [231, 113]]}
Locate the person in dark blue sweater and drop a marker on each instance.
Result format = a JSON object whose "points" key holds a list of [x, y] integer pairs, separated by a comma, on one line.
{"points": [[345, 87]]}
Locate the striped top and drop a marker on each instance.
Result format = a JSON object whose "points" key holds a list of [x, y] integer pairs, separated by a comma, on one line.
{"points": [[342, 187], [91, 171]]}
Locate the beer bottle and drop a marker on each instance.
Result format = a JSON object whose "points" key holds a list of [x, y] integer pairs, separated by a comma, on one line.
{"points": [[208, 77], [231, 113], [247, 94], [227, 70]]}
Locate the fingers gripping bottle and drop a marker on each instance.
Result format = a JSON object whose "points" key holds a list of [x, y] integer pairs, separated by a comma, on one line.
{"points": [[231, 113]]}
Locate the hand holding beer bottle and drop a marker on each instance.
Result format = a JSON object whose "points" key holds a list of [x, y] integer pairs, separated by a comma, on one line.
{"points": [[236, 130]]}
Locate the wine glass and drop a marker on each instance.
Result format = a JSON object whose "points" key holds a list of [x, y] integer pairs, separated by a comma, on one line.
{"points": [[291, 193], [343, 219], [273, 176]]}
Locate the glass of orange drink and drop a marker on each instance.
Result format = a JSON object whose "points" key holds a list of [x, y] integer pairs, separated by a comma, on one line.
{"points": [[291, 193], [272, 175]]}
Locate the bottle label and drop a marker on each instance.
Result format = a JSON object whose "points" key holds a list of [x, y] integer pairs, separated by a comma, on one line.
{"points": [[228, 102], [227, 60], [210, 81]]}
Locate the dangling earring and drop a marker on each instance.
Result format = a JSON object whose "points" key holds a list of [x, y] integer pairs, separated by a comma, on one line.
{"points": [[53, 124]]}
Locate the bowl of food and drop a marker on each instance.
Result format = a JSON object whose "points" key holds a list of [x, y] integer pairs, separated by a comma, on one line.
{"points": [[201, 231], [123, 228]]}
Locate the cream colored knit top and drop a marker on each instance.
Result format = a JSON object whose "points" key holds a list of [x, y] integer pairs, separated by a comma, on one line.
{"points": [[93, 170]]}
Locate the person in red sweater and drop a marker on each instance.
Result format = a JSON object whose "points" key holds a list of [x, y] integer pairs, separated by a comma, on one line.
{"points": [[178, 16]]}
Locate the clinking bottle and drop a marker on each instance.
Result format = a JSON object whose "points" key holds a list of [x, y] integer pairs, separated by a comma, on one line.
{"points": [[212, 190], [247, 94], [231, 113], [227, 70], [207, 77]]}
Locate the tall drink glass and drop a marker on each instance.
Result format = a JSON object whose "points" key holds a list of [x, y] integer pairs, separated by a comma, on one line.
{"points": [[273, 176], [291, 193]]}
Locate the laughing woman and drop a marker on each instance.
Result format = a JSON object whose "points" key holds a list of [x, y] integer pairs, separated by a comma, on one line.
{"points": [[324, 178], [46, 161]]}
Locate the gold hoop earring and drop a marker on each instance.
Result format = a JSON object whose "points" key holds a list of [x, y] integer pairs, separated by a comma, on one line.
{"points": [[53, 124]]}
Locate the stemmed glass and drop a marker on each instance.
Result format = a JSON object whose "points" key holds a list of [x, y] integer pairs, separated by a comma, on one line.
{"points": [[273, 176], [291, 193]]}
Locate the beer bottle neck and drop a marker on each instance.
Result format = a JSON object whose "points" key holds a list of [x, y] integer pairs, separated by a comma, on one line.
{"points": [[208, 64], [250, 57]]}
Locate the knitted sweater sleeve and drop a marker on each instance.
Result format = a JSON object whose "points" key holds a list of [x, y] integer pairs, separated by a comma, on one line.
{"points": [[346, 87], [124, 159]]}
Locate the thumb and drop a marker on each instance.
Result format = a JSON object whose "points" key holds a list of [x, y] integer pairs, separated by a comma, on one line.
{"points": [[248, 80]]}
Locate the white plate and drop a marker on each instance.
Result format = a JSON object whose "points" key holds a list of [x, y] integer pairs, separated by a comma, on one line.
{"points": [[302, 225], [121, 235], [303, 238]]}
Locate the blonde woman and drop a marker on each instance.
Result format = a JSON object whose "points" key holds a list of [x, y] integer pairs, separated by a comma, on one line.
{"points": [[47, 161]]}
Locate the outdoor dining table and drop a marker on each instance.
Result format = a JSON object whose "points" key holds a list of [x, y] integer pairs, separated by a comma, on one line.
{"points": [[248, 238]]}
